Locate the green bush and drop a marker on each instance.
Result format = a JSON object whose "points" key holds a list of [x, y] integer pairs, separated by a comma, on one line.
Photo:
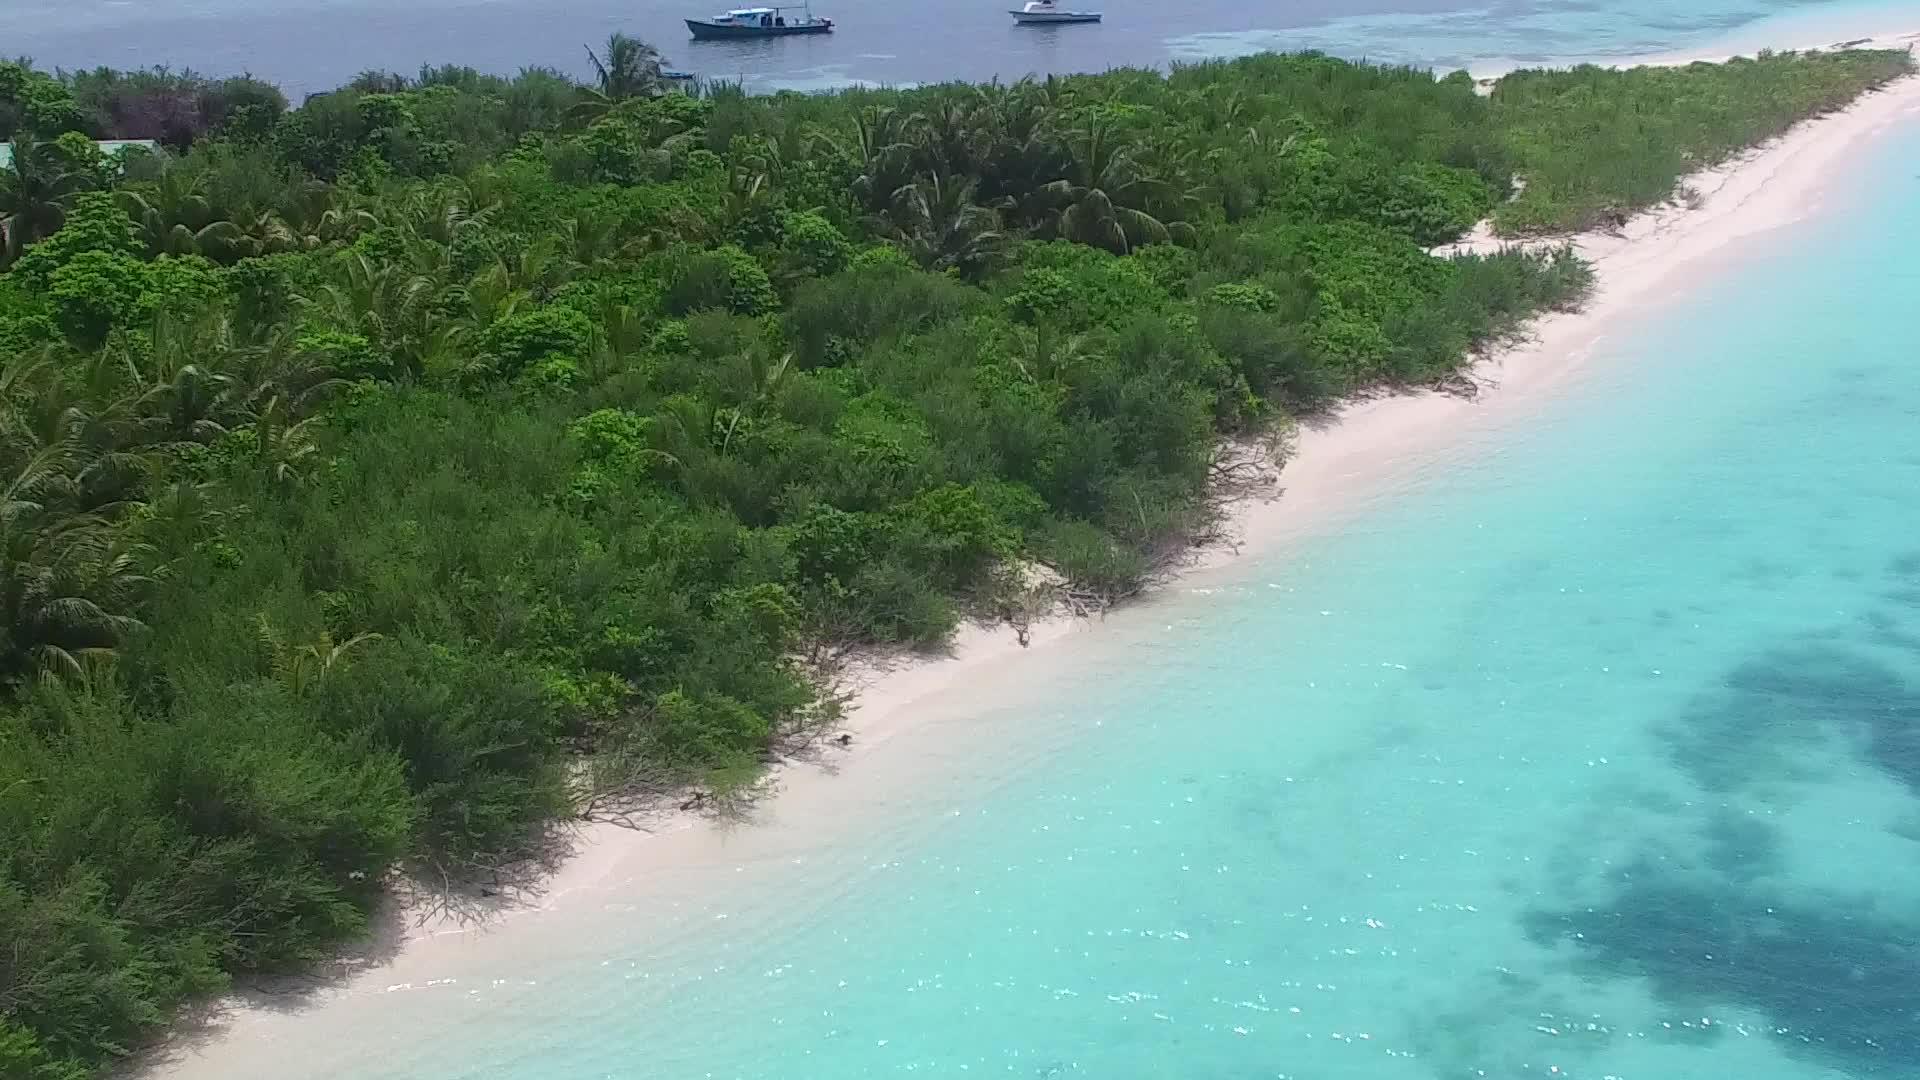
{"points": [[952, 529], [93, 292], [1596, 144], [713, 731], [96, 223], [1091, 558], [724, 279], [1244, 296], [1436, 203], [518, 341], [812, 247]]}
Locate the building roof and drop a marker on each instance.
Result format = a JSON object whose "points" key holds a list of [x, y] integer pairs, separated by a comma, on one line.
{"points": [[109, 147]]}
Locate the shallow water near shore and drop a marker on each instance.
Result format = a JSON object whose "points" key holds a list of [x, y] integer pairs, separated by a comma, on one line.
{"points": [[1589, 748]]}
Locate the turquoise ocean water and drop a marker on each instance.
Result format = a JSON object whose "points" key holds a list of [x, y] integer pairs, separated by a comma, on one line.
{"points": [[1502, 34], [1591, 749]]}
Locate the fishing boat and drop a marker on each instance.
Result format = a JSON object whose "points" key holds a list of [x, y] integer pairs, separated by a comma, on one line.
{"points": [[759, 22], [1047, 13]]}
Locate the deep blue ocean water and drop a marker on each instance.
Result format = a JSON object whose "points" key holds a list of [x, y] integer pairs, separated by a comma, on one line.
{"points": [[1589, 749], [312, 45]]}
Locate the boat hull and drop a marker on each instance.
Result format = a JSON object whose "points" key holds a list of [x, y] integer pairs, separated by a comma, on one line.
{"points": [[711, 31], [1053, 18]]}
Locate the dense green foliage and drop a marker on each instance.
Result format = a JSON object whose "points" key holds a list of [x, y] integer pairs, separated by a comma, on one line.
{"points": [[1596, 144], [391, 477], [173, 107]]}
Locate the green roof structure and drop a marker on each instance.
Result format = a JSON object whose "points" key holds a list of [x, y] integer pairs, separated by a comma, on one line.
{"points": [[113, 148]]}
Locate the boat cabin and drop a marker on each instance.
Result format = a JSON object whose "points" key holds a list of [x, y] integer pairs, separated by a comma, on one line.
{"points": [[760, 22], [1047, 12], [762, 18]]}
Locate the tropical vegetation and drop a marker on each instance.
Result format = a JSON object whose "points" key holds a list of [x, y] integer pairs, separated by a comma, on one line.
{"points": [[391, 478]]}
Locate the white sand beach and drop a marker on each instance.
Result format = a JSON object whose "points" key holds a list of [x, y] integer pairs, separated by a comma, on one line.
{"points": [[919, 721]]}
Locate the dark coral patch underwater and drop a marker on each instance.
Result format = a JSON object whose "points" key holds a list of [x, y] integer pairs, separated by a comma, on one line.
{"points": [[1838, 979], [1721, 923]]}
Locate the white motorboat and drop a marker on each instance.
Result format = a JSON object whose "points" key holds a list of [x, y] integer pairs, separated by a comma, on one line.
{"points": [[1047, 13]]}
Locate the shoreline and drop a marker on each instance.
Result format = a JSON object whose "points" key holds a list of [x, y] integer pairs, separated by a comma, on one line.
{"points": [[1336, 468], [1904, 36]]}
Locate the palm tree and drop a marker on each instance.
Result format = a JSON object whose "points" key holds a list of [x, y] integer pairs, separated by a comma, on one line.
{"points": [[1054, 92], [937, 223], [1104, 197], [305, 667], [281, 444], [750, 202], [179, 513], [406, 312], [624, 333], [172, 214], [1041, 354], [631, 68], [66, 579], [883, 150], [594, 238], [278, 368], [35, 190], [1021, 154], [628, 68], [88, 422], [442, 214], [316, 214], [65, 589], [1220, 107], [757, 377], [176, 216], [70, 463], [950, 134], [192, 405], [196, 383], [248, 232]]}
